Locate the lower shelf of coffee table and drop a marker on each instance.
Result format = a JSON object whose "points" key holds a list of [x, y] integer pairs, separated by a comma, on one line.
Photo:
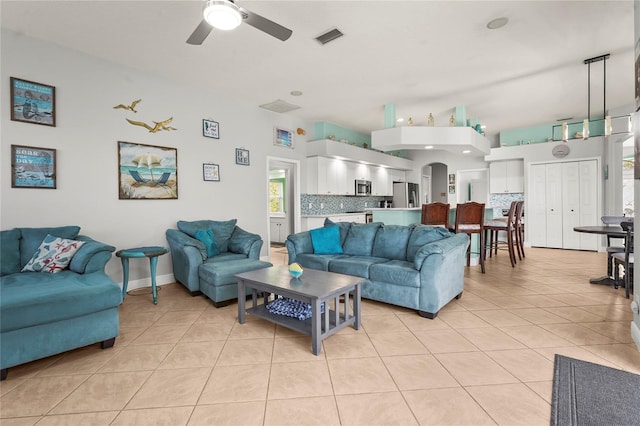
{"points": [[303, 326]]}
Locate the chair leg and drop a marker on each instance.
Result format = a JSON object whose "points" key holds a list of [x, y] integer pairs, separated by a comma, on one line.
{"points": [[616, 275], [628, 280], [609, 265], [511, 244], [521, 240], [482, 253]]}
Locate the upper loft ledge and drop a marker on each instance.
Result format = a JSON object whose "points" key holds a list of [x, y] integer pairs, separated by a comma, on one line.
{"points": [[334, 149], [452, 139]]}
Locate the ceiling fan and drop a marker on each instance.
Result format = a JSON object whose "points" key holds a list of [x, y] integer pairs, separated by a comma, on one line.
{"points": [[225, 15]]}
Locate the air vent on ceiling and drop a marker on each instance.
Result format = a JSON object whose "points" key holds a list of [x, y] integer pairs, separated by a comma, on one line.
{"points": [[329, 36], [279, 106]]}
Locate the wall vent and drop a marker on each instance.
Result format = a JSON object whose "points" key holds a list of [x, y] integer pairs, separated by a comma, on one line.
{"points": [[279, 106], [329, 36]]}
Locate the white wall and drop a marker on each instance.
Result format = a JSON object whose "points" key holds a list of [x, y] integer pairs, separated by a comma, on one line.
{"points": [[86, 136]]}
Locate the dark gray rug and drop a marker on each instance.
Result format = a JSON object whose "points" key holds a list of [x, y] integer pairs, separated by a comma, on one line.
{"points": [[591, 394]]}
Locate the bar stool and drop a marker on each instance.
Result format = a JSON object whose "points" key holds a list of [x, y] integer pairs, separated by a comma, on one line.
{"points": [[435, 214], [493, 227], [470, 220], [519, 224]]}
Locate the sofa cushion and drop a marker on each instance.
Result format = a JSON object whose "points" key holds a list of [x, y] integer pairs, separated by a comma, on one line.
{"points": [[391, 242], [226, 256], [32, 237], [317, 261], [326, 240], [354, 265], [424, 234], [9, 252], [359, 241], [344, 228], [53, 255], [206, 237], [398, 272], [222, 273], [32, 298], [222, 230], [241, 241]]}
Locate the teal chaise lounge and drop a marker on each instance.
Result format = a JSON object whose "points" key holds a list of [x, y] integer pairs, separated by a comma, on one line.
{"points": [[419, 267], [207, 254], [44, 313]]}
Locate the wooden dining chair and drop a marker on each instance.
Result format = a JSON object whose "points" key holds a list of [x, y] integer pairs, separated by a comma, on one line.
{"points": [[435, 214], [470, 220], [519, 224], [625, 259], [495, 226]]}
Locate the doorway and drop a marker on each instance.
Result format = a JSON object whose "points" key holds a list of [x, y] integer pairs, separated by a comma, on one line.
{"points": [[439, 181], [283, 204]]}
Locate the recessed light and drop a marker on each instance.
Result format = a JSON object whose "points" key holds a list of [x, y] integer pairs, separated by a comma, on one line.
{"points": [[466, 151], [296, 93], [494, 24], [428, 147], [400, 120]]}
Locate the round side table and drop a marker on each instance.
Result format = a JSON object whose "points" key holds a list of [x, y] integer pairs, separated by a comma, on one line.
{"points": [[152, 253]]}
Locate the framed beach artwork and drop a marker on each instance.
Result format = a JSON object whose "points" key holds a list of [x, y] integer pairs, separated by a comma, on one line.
{"points": [[33, 102], [210, 129], [147, 172], [242, 156], [33, 167], [211, 172], [282, 137]]}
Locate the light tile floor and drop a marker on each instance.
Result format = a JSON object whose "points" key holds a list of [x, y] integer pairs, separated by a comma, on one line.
{"points": [[486, 359]]}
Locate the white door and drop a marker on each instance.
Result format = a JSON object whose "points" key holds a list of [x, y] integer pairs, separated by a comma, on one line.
{"points": [[554, 205], [588, 202], [570, 205], [537, 207]]}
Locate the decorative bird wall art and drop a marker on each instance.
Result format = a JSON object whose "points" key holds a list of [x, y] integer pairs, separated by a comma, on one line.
{"points": [[158, 125], [128, 107]]}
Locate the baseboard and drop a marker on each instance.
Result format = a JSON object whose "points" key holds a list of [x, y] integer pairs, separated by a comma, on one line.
{"points": [[146, 282]]}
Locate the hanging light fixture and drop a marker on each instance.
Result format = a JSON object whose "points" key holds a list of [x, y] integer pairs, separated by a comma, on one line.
{"points": [[222, 14], [565, 132], [585, 129]]}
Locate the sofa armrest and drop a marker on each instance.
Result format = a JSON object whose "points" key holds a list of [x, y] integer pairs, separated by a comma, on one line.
{"points": [[442, 247], [187, 254], [91, 257], [246, 243], [298, 244], [178, 240]]}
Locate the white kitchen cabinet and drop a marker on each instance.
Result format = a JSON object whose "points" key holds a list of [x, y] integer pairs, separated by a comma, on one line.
{"points": [[318, 222], [380, 183], [561, 197], [506, 177], [326, 176], [397, 176], [279, 227]]}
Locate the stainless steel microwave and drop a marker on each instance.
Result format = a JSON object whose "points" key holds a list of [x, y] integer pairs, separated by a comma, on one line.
{"points": [[363, 187]]}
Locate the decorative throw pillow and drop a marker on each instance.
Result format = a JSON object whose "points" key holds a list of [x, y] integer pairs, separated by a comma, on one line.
{"points": [[209, 241], [53, 255], [326, 240]]}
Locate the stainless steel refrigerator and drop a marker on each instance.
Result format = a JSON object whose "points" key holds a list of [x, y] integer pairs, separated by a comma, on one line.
{"points": [[406, 194]]}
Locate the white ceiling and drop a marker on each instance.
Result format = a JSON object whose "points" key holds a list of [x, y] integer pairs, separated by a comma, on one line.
{"points": [[423, 56]]}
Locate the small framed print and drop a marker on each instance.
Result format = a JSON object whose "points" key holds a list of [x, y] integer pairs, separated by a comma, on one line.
{"points": [[283, 137], [210, 129], [211, 172], [242, 156], [33, 102], [33, 167]]}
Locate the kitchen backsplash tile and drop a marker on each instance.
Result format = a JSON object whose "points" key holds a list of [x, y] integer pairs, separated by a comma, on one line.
{"points": [[331, 204], [503, 201]]}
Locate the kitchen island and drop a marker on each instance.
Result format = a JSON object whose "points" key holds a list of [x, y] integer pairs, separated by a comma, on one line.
{"points": [[397, 216]]}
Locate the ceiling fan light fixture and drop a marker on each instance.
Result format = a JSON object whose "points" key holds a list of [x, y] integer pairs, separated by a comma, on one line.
{"points": [[222, 14]]}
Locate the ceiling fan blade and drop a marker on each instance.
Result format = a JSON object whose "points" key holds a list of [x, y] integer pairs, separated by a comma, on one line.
{"points": [[266, 25], [201, 32]]}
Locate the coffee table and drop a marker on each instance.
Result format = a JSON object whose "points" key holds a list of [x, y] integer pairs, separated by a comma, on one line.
{"points": [[314, 287]]}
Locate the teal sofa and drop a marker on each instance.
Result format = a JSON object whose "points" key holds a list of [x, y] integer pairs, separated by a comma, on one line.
{"points": [[42, 313], [417, 266], [201, 271]]}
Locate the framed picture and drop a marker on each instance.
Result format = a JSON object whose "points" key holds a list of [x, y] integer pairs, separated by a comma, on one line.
{"points": [[210, 129], [33, 167], [283, 137], [211, 172], [33, 102], [242, 156], [452, 189], [147, 172]]}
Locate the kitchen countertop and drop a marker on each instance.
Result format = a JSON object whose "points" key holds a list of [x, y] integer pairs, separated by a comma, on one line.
{"points": [[396, 209], [337, 214]]}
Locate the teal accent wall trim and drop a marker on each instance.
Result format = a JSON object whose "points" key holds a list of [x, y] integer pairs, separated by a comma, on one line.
{"points": [[323, 129], [461, 115], [389, 116], [544, 132]]}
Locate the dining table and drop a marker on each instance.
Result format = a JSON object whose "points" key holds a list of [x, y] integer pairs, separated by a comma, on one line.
{"points": [[615, 231]]}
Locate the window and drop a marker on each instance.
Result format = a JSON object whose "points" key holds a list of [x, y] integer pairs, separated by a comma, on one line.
{"points": [[276, 196]]}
